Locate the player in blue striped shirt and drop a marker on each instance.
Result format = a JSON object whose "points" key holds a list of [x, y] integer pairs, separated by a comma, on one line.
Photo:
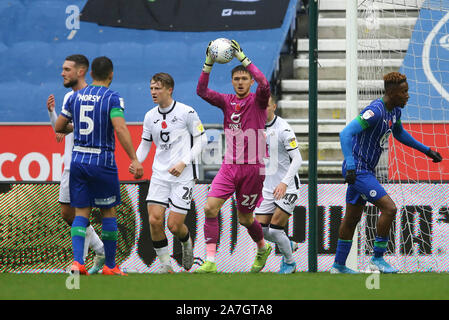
{"points": [[96, 112], [362, 141]]}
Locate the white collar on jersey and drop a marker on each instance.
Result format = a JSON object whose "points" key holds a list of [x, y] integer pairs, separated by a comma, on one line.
{"points": [[271, 122], [169, 108]]}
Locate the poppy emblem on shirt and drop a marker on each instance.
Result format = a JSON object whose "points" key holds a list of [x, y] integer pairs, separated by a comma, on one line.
{"points": [[238, 107], [390, 123], [164, 125]]}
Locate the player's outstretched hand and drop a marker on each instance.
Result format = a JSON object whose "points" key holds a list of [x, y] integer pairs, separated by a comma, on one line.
{"points": [[239, 54], [207, 67], [51, 103], [350, 177], [436, 156]]}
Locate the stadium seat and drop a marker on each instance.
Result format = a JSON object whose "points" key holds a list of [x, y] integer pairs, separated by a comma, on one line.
{"points": [[31, 61], [65, 48], [185, 92], [43, 20], [9, 11], [35, 45], [166, 54], [127, 58], [19, 93]]}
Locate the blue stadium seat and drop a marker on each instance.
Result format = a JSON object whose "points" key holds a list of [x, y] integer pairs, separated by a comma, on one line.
{"points": [[9, 12], [65, 48], [22, 94], [128, 59], [166, 54], [138, 101], [34, 44], [31, 61], [185, 92], [3, 57], [42, 20]]}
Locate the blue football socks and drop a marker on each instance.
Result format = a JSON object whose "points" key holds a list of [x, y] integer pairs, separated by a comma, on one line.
{"points": [[78, 233], [380, 246], [109, 236], [343, 248]]}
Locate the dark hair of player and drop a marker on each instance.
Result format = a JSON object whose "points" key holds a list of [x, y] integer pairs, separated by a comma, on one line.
{"points": [[101, 68], [393, 79], [79, 59], [240, 68], [165, 79]]}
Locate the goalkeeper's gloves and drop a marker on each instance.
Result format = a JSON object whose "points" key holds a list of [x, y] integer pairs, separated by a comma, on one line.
{"points": [[238, 53], [350, 177], [436, 156], [207, 67]]}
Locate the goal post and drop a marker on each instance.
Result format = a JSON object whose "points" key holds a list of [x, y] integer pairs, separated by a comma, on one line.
{"points": [[412, 37], [352, 95]]}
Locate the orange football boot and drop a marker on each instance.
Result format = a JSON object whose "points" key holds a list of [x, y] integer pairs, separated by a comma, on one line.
{"points": [[78, 267], [114, 272]]}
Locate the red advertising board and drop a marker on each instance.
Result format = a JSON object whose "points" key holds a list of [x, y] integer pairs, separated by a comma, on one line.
{"points": [[408, 164], [31, 153]]}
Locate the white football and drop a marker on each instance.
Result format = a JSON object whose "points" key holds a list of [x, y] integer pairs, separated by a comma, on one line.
{"points": [[221, 50]]}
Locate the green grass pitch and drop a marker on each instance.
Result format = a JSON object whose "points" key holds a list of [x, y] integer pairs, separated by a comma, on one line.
{"points": [[235, 286]]}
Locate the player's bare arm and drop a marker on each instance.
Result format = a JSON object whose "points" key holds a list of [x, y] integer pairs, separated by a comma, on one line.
{"points": [[124, 138], [63, 125]]}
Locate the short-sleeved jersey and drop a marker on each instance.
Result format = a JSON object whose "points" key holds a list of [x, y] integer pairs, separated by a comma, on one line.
{"points": [[377, 123], [94, 139], [68, 145], [280, 139], [244, 119], [172, 130]]}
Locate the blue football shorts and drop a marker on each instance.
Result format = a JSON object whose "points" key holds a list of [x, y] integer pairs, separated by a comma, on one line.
{"points": [[93, 186], [366, 188]]}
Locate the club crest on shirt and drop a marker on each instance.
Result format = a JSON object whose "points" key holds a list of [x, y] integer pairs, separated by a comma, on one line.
{"points": [[235, 117], [368, 114]]}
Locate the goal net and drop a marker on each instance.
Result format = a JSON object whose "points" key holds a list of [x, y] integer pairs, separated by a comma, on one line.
{"points": [[412, 37]]}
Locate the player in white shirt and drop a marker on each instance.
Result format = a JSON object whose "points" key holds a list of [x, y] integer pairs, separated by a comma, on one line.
{"points": [[179, 136], [280, 188], [74, 70]]}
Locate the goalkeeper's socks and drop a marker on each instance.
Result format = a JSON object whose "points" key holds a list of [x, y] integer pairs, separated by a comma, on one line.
{"points": [[109, 236], [380, 246], [211, 234], [256, 233], [78, 233], [343, 248]]}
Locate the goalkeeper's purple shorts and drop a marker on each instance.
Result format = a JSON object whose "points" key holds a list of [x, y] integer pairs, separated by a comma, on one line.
{"points": [[246, 180]]}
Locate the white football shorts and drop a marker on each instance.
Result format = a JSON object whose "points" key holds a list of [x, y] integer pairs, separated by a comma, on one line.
{"points": [[269, 204], [176, 196], [64, 190]]}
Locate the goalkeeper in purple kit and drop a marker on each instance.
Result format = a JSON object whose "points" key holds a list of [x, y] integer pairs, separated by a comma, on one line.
{"points": [[361, 143], [242, 171]]}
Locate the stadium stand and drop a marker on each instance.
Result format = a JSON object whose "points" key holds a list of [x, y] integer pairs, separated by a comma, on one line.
{"points": [[38, 39]]}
